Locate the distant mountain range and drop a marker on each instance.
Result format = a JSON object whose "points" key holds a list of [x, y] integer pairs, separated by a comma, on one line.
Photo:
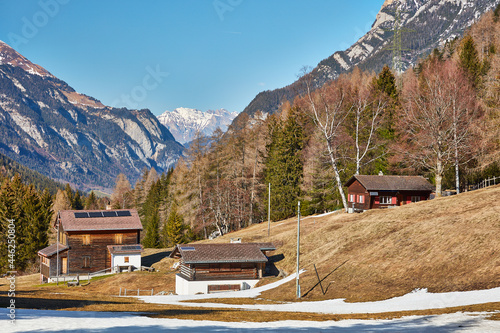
{"points": [[184, 123], [49, 127], [423, 25]]}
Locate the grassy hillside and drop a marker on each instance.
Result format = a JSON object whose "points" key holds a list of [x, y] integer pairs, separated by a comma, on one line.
{"points": [[447, 244]]}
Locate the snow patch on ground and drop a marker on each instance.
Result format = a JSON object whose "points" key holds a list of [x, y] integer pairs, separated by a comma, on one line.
{"points": [[417, 300], [84, 321]]}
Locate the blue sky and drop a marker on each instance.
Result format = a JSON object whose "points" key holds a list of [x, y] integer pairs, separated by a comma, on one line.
{"points": [[163, 54]]}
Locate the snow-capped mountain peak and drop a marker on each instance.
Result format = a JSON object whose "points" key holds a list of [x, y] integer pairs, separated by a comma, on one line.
{"points": [[183, 123]]}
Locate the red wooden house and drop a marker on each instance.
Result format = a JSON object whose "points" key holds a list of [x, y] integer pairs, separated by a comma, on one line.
{"points": [[369, 192], [91, 241], [207, 268]]}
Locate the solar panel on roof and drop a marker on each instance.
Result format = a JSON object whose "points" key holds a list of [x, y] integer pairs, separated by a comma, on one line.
{"points": [[81, 215], [109, 214], [187, 248], [95, 214], [123, 213], [131, 247]]}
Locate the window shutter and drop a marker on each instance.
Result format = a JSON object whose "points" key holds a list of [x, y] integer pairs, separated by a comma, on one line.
{"points": [[377, 200], [394, 200]]}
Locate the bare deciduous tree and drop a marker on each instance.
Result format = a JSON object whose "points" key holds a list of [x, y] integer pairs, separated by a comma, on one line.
{"points": [[122, 196], [342, 108], [368, 111], [439, 114]]}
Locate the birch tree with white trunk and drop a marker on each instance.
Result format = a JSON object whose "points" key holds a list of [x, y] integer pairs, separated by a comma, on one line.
{"points": [[329, 110]]}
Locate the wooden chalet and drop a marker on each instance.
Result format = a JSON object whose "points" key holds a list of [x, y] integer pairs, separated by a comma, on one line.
{"points": [[92, 241], [379, 191], [208, 268]]}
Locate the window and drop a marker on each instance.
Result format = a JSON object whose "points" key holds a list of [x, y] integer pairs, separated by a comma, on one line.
{"points": [[385, 200], [85, 239], [86, 261], [361, 198], [127, 260], [415, 198], [352, 198], [119, 239], [62, 237], [46, 261]]}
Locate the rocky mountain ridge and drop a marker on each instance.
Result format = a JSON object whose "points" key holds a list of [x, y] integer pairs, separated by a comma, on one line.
{"points": [[422, 24], [49, 127], [184, 123]]}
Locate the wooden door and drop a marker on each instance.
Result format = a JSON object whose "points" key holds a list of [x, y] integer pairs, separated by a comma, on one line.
{"points": [[64, 265]]}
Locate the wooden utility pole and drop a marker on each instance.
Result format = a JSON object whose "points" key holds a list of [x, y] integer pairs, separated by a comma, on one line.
{"points": [[298, 252]]}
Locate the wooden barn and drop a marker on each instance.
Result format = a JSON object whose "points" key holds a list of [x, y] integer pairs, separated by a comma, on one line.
{"points": [[92, 241], [209, 268], [371, 192]]}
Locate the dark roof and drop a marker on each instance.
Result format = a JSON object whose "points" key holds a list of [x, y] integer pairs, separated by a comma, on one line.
{"points": [[392, 183], [49, 251], [133, 248], [265, 246], [222, 253], [79, 220]]}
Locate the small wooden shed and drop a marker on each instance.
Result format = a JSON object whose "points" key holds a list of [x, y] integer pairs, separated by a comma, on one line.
{"points": [[380, 191], [208, 268]]}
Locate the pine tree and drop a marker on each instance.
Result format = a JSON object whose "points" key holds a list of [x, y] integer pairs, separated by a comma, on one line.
{"points": [[8, 211], [30, 213], [469, 60], [173, 231], [140, 190], [152, 238], [35, 227], [385, 83], [283, 165], [77, 201], [69, 194], [91, 203]]}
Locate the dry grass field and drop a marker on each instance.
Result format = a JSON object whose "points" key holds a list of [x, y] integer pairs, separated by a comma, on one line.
{"points": [[446, 244]]}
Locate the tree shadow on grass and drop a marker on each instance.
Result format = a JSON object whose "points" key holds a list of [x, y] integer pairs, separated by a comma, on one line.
{"points": [[49, 303], [154, 258], [328, 286]]}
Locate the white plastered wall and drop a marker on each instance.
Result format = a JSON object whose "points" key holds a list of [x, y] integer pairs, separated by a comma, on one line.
{"points": [[118, 259], [185, 287]]}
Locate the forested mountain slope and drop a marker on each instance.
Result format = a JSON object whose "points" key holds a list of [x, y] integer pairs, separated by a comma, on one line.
{"points": [[9, 168], [423, 25]]}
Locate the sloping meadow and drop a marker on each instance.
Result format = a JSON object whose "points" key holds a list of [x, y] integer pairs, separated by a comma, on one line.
{"points": [[446, 244]]}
